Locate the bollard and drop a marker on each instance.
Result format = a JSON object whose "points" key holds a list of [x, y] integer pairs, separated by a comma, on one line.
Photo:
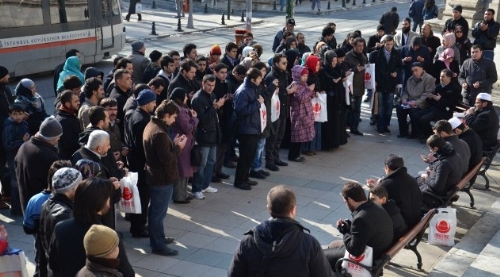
{"points": [[206, 8], [354, 2], [154, 5], [364, 2], [328, 6], [153, 29], [373, 1], [179, 29], [274, 5], [222, 22], [242, 16], [232, 11], [343, 3]]}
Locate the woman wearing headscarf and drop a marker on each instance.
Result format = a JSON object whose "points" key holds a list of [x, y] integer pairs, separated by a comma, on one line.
{"points": [[446, 61], [301, 113], [313, 64], [32, 102], [71, 67], [185, 124], [448, 42], [331, 76], [463, 43]]}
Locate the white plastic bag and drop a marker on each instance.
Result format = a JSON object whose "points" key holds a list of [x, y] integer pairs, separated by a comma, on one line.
{"points": [[275, 106], [370, 76], [443, 226], [348, 89], [13, 263], [319, 108], [138, 8], [263, 117], [365, 259], [130, 202]]}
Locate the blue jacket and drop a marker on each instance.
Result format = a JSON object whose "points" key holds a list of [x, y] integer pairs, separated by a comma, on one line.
{"points": [[415, 11], [13, 133], [246, 107]]}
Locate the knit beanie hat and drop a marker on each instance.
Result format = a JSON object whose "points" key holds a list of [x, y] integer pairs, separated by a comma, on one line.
{"points": [[89, 169], [100, 241], [458, 8], [146, 96], [380, 28], [50, 128], [3, 71], [215, 50], [66, 178], [155, 55], [137, 45]]}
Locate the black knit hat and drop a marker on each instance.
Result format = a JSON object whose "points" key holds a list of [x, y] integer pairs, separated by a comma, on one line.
{"points": [[3, 71]]}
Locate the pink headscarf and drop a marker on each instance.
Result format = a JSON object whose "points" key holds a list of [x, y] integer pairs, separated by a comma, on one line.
{"points": [[447, 53]]}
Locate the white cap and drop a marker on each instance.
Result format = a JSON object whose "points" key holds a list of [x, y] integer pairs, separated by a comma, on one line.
{"points": [[484, 96], [454, 122]]}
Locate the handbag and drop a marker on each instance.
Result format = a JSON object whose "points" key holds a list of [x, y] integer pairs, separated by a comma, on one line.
{"points": [[13, 263], [365, 259], [130, 201], [442, 227], [196, 155], [138, 8]]}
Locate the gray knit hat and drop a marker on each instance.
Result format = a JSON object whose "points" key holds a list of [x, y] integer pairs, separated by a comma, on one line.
{"points": [[65, 178], [50, 128], [137, 45]]}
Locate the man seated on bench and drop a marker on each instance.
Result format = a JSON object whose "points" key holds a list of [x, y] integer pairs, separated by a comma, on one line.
{"points": [[471, 138], [402, 188], [443, 173], [370, 226], [380, 196], [483, 119], [443, 129]]}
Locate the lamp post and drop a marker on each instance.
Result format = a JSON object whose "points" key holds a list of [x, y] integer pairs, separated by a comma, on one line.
{"points": [[249, 16]]}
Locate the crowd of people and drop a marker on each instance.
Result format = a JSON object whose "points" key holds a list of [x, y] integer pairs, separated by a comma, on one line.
{"points": [[179, 119]]}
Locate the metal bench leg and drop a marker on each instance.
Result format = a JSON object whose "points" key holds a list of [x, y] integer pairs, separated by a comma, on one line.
{"points": [[471, 197], [482, 173]]}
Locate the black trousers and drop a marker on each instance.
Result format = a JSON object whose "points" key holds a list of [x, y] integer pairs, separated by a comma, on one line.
{"points": [[403, 124], [273, 142], [219, 160], [334, 254], [138, 221], [294, 150], [248, 145]]}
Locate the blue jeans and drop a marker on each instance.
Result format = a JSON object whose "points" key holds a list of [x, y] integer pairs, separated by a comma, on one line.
{"points": [[282, 4], [488, 54], [354, 113], [15, 202], [160, 197], [257, 161], [385, 105], [202, 177]]}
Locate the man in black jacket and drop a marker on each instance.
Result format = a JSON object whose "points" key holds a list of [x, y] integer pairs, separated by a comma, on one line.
{"points": [[66, 115], [121, 92], [134, 127], [483, 119], [278, 78], [230, 58], [185, 78], [485, 33], [470, 137], [402, 188], [390, 20], [280, 245], [374, 41], [457, 19], [59, 206], [370, 226], [208, 135]]}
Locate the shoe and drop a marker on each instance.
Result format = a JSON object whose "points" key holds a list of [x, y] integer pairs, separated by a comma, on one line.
{"points": [[169, 240], [142, 234], [265, 173], [126, 19], [373, 121], [256, 174], [280, 163], [166, 252], [402, 136], [182, 201], [272, 167], [223, 175], [189, 197], [210, 189], [357, 133], [215, 179], [252, 182], [198, 195], [243, 186], [230, 165], [367, 99], [298, 159], [386, 130], [308, 153], [381, 131]]}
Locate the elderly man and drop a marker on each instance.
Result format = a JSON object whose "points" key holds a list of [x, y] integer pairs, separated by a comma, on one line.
{"points": [[477, 74], [483, 119], [297, 254], [414, 52], [414, 99]]}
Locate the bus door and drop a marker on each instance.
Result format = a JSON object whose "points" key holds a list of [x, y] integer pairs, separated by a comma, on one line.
{"points": [[104, 26]]}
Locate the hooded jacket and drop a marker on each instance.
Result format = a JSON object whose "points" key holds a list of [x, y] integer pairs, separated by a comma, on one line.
{"points": [[12, 135], [292, 252], [246, 107], [71, 67], [301, 111]]}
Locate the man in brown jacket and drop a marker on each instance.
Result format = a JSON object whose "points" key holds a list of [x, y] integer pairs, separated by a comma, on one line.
{"points": [[161, 170]]}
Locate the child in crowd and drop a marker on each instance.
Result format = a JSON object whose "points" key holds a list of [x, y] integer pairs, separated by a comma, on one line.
{"points": [[380, 196]]}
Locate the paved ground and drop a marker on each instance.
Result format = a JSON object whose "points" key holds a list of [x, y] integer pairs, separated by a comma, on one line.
{"points": [[208, 231]]}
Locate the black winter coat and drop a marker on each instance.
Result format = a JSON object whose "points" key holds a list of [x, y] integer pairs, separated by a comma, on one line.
{"points": [[383, 69], [134, 128], [180, 82], [283, 79], [450, 24], [208, 133], [68, 143], [295, 253], [475, 146], [485, 123], [121, 97], [246, 107], [450, 98], [403, 189], [398, 224]]}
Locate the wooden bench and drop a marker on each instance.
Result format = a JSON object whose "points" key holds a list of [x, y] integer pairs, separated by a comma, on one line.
{"points": [[489, 155], [409, 241], [430, 200]]}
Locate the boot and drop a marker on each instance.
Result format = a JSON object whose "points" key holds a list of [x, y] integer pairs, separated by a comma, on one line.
{"points": [[139, 17]]}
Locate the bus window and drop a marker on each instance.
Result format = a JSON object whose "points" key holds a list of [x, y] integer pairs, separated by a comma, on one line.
{"points": [[105, 8], [64, 11], [116, 7], [20, 13]]}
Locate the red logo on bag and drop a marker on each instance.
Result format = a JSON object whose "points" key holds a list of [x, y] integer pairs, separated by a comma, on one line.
{"points": [[357, 259], [368, 76], [263, 114], [127, 194], [443, 226], [277, 106], [317, 108]]}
